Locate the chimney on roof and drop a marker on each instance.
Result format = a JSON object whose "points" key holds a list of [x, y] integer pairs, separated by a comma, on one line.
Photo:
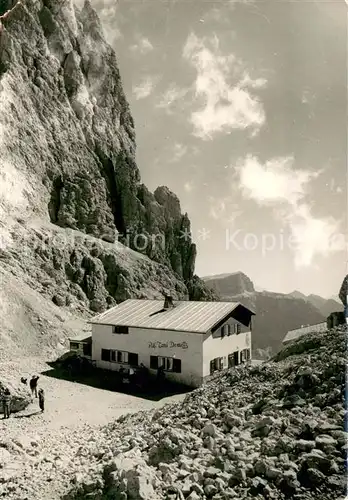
{"points": [[168, 302]]}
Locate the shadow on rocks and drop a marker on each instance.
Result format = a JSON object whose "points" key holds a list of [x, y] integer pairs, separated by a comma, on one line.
{"points": [[28, 415]]}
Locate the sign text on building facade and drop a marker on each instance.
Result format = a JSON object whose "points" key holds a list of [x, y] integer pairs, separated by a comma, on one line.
{"points": [[171, 345]]}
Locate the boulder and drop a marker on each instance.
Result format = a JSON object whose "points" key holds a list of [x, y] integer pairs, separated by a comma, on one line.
{"points": [[20, 395]]}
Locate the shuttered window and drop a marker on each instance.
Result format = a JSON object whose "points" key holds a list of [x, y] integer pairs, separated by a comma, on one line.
{"points": [[154, 362], [243, 356], [237, 328], [176, 365], [133, 358], [169, 364], [105, 355], [123, 357], [216, 364]]}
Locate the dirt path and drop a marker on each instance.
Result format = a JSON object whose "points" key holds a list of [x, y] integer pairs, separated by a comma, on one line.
{"points": [[70, 404], [47, 443]]}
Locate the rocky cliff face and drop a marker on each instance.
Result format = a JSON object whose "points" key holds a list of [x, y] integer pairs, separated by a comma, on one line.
{"points": [[72, 204], [73, 135]]}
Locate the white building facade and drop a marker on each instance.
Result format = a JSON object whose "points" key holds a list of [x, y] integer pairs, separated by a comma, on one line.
{"points": [[191, 340]]}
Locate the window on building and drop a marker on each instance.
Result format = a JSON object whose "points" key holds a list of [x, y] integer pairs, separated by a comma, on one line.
{"points": [[226, 330], [105, 354], [74, 346], [169, 364], [119, 356], [237, 328], [87, 349], [120, 329], [216, 364], [245, 355], [123, 357], [133, 359], [233, 359]]}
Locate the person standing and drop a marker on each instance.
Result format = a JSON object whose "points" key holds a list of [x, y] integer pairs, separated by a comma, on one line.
{"points": [[33, 385], [6, 403], [160, 378], [41, 399]]}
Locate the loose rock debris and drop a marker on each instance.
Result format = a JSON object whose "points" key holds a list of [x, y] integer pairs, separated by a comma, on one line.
{"points": [[272, 431]]}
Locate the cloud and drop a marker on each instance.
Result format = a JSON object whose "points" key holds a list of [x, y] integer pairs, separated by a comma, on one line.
{"points": [[273, 182], [179, 150], [233, 3], [222, 11], [308, 96], [217, 207], [145, 88], [277, 184], [144, 46], [224, 209], [188, 186], [315, 236], [223, 89], [254, 84], [172, 97], [334, 187]]}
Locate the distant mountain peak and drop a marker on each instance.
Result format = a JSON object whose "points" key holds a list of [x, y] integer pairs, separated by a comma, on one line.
{"points": [[230, 283], [276, 313], [298, 295]]}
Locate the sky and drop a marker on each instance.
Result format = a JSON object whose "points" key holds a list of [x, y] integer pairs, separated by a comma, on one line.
{"points": [[240, 108]]}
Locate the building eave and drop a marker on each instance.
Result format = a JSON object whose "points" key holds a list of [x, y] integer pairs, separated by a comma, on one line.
{"points": [[136, 327]]}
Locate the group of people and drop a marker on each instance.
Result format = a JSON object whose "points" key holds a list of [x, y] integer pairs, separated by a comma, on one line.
{"points": [[6, 396], [140, 375]]}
